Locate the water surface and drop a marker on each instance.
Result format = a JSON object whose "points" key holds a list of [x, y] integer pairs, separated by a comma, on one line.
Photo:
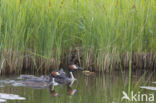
{"points": [[100, 88]]}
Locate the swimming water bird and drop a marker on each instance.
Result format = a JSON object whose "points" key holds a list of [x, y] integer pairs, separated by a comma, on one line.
{"points": [[70, 91], [40, 82], [53, 76], [64, 78]]}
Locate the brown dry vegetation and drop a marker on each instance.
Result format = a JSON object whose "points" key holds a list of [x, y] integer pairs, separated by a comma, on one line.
{"points": [[17, 62]]}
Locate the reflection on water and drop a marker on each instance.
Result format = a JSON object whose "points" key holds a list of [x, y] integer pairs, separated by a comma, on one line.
{"points": [[4, 97], [102, 88], [148, 87]]}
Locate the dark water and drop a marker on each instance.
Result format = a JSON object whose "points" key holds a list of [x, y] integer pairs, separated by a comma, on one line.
{"points": [[100, 88]]}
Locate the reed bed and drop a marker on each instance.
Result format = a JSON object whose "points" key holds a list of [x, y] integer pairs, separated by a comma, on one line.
{"points": [[101, 35]]}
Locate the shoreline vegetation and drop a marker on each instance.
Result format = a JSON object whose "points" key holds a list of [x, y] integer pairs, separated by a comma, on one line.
{"points": [[15, 62], [100, 35]]}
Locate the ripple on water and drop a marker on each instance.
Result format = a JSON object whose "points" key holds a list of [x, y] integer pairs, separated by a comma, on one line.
{"points": [[2, 100], [18, 84], [7, 81], [148, 87], [4, 97], [1, 86]]}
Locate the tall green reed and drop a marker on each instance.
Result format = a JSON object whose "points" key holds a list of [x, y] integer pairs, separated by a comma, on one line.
{"points": [[101, 30]]}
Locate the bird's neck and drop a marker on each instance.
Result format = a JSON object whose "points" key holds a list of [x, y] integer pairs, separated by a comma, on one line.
{"points": [[71, 75]]}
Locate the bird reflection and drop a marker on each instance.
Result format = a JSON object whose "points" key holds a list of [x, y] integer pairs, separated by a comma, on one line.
{"points": [[70, 90], [52, 91]]}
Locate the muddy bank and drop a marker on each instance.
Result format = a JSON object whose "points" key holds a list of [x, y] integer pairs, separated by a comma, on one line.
{"points": [[17, 62]]}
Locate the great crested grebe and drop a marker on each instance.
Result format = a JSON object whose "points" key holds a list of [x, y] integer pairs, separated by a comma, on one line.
{"points": [[64, 78], [53, 77], [39, 82]]}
